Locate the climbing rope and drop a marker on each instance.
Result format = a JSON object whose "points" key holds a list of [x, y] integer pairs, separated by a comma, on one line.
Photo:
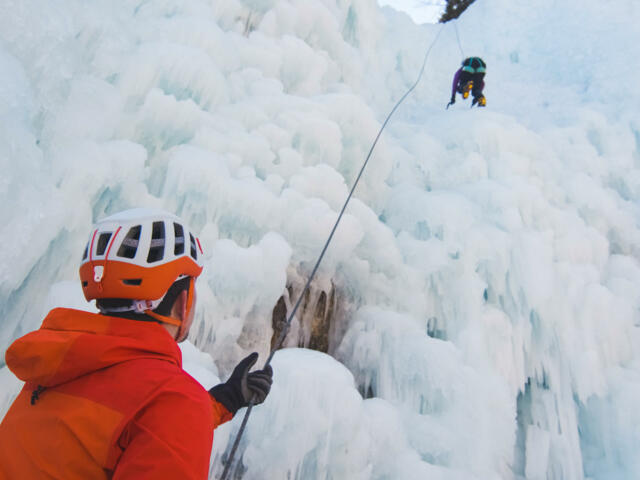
{"points": [[287, 325], [455, 24]]}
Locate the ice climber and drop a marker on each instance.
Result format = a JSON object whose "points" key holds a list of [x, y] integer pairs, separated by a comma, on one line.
{"points": [[470, 79], [105, 393]]}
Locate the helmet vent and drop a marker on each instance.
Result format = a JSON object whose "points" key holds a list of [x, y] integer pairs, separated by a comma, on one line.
{"points": [[103, 241], [178, 249], [129, 245], [194, 250], [156, 250], [132, 281]]}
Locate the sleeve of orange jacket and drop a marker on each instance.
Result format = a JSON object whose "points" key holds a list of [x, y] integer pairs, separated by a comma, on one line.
{"points": [[170, 438], [220, 413]]}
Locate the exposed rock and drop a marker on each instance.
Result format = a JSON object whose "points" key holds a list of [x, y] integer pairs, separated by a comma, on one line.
{"points": [[315, 318]]}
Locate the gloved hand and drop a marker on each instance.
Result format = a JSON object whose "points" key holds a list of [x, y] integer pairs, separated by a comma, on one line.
{"points": [[242, 386], [453, 100]]}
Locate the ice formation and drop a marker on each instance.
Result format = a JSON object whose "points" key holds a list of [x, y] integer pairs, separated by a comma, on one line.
{"points": [[421, 11], [488, 318]]}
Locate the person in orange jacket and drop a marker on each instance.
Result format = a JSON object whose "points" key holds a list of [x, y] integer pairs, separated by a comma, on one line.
{"points": [[105, 395]]}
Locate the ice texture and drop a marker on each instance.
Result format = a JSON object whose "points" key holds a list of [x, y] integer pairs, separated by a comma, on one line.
{"points": [[487, 269], [420, 11]]}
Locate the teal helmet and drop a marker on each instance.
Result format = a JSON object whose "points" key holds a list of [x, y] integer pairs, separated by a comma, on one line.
{"points": [[474, 65]]}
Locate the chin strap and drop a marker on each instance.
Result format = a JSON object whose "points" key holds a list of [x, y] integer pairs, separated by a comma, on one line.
{"points": [[163, 319], [171, 320]]}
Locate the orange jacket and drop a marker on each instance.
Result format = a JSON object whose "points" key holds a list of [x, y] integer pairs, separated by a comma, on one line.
{"points": [[114, 402]]}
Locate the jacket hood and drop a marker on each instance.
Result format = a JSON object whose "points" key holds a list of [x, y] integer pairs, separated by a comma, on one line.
{"points": [[71, 343]]}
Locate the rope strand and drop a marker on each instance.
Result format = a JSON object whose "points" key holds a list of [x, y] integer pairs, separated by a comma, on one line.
{"points": [[455, 24], [285, 330]]}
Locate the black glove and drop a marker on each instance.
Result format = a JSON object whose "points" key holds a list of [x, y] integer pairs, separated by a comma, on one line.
{"points": [[453, 100], [242, 386]]}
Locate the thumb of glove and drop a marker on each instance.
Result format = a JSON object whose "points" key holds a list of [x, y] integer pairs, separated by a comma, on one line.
{"points": [[241, 372], [245, 365]]}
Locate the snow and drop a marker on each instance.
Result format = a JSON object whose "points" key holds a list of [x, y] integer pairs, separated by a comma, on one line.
{"points": [[420, 11], [136, 214], [486, 271]]}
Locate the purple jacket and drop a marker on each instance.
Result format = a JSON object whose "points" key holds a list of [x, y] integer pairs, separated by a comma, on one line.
{"points": [[456, 80]]}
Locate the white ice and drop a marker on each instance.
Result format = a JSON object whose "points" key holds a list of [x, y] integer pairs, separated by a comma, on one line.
{"points": [[420, 11], [487, 269]]}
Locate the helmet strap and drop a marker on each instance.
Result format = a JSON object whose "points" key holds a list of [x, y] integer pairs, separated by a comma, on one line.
{"points": [[190, 295], [175, 321], [163, 318]]}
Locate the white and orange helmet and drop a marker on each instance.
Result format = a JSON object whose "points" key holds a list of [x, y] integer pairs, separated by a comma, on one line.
{"points": [[138, 254]]}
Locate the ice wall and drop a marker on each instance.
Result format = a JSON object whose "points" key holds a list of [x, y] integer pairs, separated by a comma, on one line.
{"points": [[487, 267], [420, 11]]}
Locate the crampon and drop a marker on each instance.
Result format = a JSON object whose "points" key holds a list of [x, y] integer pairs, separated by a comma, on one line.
{"points": [[479, 101]]}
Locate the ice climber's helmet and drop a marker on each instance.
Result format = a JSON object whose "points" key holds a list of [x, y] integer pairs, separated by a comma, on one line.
{"points": [[474, 65], [138, 254]]}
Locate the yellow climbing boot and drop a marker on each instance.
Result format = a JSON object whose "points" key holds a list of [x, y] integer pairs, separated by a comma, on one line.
{"points": [[467, 89], [479, 101]]}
